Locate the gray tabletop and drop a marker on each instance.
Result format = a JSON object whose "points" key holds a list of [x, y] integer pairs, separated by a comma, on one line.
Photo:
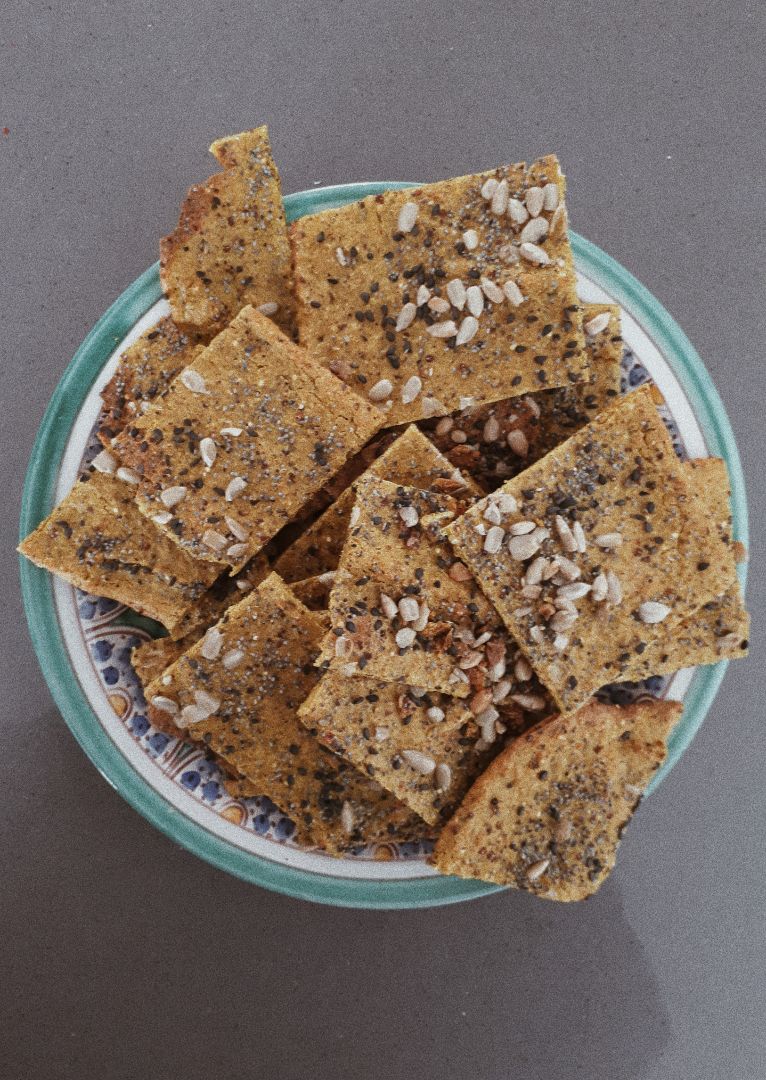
{"points": [[122, 956]]}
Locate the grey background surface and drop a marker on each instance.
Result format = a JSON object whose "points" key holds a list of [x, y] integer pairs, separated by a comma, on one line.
{"points": [[122, 956]]}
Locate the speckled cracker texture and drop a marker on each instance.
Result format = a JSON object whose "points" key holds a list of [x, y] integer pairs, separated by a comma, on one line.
{"points": [[646, 550], [98, 541], [230, 247], [411, 459], [238, 690], [372, 291], [241, 441], [548, 813], [144, 372]]}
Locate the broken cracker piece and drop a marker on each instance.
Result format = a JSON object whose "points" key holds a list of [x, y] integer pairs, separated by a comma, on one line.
{"points": [[548, 813], [230, 247]]}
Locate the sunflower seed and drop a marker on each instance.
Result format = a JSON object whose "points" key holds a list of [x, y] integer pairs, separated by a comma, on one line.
{"points": [[575, 591], [388, 606], [500, 198], [534, 200], [609, 541], [442, 329], [456, 293], [565, 534], [475, 300], [347, 818], [269, 308], [211, 644], [559, 220], [409, 516], [523, 547], [442, 777], [569, 571], [130, 476], [534, 231], [550, 196], [513, 293], [490, 434], [208, 451], [517, 441], [162, 518], [651, 611], [420, 762], [492, 514], [165, 704], [234, 487], [233, 431], [494, 540], [597, 324], [104, 462], [614, 588], [531, 592], [468, 328], [411, 389], [214, 540], [232, 659], [522, 670], [237, 551], [488, 188], [438, 305], [193, 381], [235, 528], [529, 702], [506, 503], [535, 570], [171, 496], [381, 390], [471, 239], [422, 296], [406, 317], [599, 589], [409, 609], [563, 620], [408, 215], [561, 603], [536, 870], [534, 254], [340, 255], [492, 291], [405, 637], [517, 211], [470, 660], [521, 528], [353, 520]]}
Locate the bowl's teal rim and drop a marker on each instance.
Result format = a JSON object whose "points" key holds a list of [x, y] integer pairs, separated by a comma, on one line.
{"points": [[40, 608]]}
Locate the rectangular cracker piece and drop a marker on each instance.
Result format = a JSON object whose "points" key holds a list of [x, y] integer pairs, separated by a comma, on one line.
{"points": [[548, 814], [494, 441], [619, 481], [230, 247], [225, 464], [388, 734], [98, 541], [411, 459], [358, 268], [719, 629], [260, 673], [143, 373]]}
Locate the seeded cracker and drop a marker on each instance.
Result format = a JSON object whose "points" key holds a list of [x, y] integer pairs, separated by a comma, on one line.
{"points": [[237, 691], [230, 246], [634, 553], [144, 372], [494, 441], [388, 733], [241, 440], [411, 459], [423, 297], [548, 813], [314, 592], [719, 630], [98, 541]]}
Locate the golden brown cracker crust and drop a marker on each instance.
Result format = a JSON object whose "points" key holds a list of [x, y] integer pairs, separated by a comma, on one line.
{"points": [[230, 247], [356, 270], [548, 813]]}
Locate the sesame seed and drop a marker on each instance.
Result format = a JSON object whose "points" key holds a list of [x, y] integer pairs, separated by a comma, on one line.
{"points": [[347, 818], [420, 762], [232, 659], [411, 389], [340, 255], [550, 196], [536, 870], [208, 451], [535, 230], [408, 215], [513, 293], [467, 402], [534, 572], [492, 514], [405, 637], [456, 293], [565, 534], [523, 547], [517, 441], [573, 591], [521, 528], [579, 535], [381, 734], [381, 390], [237, 551], [172, 496], [234, 487], [651, 611], [493, 541], [235, 528], [343, 646], [269, 308], [165, 704], [599, 589], [442, 777], [492, 291], [560, 642], [234, 431], [488, 188], [406, 316], [388, 606], [193, 381], [409, 609], [529, 702], [214, 540], [435, 714], [563, 620], [499, 200], [423, 295], [569, 571], [438, 305], [517, 212], [130, 476], [431, 406], [468, 330], [104, 462], [353, 520], [409, 516], [534, 201], [506, 503], [534, 254], [609, 541], [614, 588], [475, 300], [442, 329], [471, 239], [211, 644], [597, 324]]}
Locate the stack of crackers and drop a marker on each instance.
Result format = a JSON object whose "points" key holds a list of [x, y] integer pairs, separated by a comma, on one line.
{"points": [[375, 477]]}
